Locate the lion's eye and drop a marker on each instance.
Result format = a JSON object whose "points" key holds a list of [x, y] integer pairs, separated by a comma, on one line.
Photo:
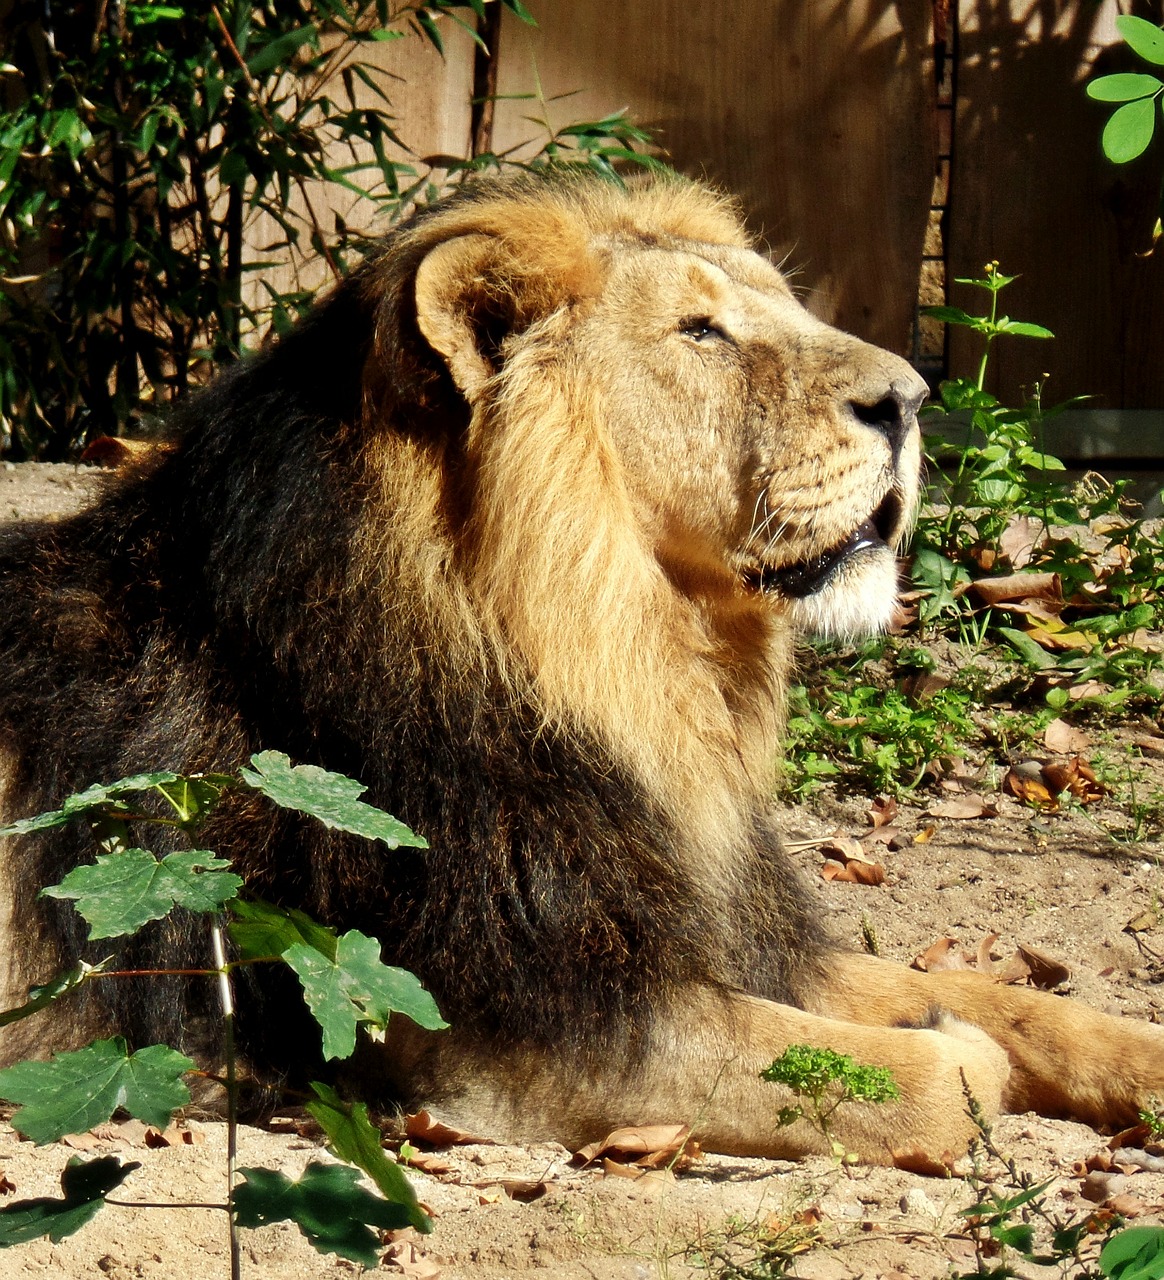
{"points": [[701, 328]]}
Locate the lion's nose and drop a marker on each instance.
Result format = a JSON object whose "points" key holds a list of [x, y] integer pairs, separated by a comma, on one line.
{"points": [[895, 413]]}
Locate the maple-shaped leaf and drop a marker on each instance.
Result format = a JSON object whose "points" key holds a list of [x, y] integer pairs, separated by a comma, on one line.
{"points": [[121, 891], [95, 797], [327, 1204], [331, 797], [261, 930], [353, 1137], [72, 1092], [85, 1184], [357, 987]]}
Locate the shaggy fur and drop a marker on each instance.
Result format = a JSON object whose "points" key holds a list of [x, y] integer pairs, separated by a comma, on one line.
{"points": [[499, 530]]}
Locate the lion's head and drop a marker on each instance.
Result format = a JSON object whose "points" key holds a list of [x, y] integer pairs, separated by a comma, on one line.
{"points": [[667, 465]]}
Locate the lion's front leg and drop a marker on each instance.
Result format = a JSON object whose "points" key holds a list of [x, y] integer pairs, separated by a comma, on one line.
{"points": [[702, 1068], [1067, 1060]]}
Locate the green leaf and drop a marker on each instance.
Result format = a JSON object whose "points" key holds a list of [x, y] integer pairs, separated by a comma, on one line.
{"points": [[85, 1183], [1123, 87], [62, 984], [327, 1204], [1129, 131], [122, 891], [354, 1138], [1143, 37], [1031, 652], [386, 33], [260, 930], [429, 28], [358, 987], [95, 797], [953, 315], [72, 1092], [1023, 329], [330, 797], [1134, 1254], [277, 51]]}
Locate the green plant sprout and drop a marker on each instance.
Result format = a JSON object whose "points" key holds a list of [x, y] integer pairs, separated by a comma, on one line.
{"points": [[345, 984], [825, 1080]]}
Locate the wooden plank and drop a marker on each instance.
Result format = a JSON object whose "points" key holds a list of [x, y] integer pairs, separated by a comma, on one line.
{"points": [[819, 115], [1032, 190]]}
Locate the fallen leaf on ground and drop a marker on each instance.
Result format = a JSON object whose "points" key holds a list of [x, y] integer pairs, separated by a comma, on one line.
{"points": [[1019, 586], [882, 811], [7, 1186], [1064, 738], [943, 954], [856, 871], [1019, 539], [426, 1162], [962, 808], [1077, 777], [645, 1145], [1044, 970], [1088, 689], [1150, 743], [403, 1256], [844, 848], [1142, 923], [423, 1127], [925, 835], [1026, 782]]}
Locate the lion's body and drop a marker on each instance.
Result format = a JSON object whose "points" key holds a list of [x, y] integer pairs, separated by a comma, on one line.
{"points": [[488, 531]]}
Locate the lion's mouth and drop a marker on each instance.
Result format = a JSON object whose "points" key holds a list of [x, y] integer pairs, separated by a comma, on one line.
{"points": [[806, 577]]}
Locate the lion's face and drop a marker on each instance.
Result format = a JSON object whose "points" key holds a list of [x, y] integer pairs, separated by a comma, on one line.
{"points": [[633, 344], [755, 438]]}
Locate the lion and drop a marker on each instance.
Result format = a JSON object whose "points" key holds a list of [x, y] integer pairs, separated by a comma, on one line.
{"points": [[519, 527]]}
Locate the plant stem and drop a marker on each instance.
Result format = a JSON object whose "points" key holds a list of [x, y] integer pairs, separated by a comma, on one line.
{"points": [[226, 998]]}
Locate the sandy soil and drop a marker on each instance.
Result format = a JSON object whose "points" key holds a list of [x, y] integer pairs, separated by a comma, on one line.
{"points": [[1059, 883]]}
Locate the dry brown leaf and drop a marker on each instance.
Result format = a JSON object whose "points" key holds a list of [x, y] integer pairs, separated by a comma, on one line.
{"points": [[636, 1141], [962, 808], [857, 871], [1064, 739], [1075, 776], [424, 1128], [524, 1190], [403, 1256], [922, 685], [173, 1136], [1088, 689], [1018, 586], [426, 1162], [943, 954], [882, 811], [1030, 787], [983, 958], [846, 848], [1018, 540], [926, 834], [7, 1186], [890, 837], [81, 1141], [1045, 971], [1126, 1205], [490, 1195], [1142, 923], [1150, 743]]}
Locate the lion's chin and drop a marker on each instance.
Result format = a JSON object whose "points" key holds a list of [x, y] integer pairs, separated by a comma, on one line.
{"points": [[857, 600]]}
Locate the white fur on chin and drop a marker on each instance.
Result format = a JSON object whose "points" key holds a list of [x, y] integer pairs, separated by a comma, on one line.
{"points": [[859, 601]]}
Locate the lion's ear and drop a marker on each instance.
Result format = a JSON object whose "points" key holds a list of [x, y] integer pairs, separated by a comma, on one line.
{"points": [[463, 308]]}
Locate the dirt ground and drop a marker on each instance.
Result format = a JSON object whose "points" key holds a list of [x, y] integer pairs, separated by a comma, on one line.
{"points": [[1058, 883]]}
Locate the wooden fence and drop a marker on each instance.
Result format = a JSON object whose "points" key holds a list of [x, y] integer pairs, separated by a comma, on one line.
{"points": [[821, 115]]}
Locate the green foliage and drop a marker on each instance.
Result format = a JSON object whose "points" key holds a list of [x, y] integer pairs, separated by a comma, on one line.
{"points": [[1134, 1254], [125, 889], [878, 738], [826, 1080], [353, 1137], [154, 158], [72, 1092], [345, 983], [357, 988], [330, 797], [327, 1204], [85, 1184]]}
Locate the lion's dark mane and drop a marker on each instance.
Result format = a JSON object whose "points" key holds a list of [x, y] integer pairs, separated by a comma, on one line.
{"points": [[206, 607]]}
